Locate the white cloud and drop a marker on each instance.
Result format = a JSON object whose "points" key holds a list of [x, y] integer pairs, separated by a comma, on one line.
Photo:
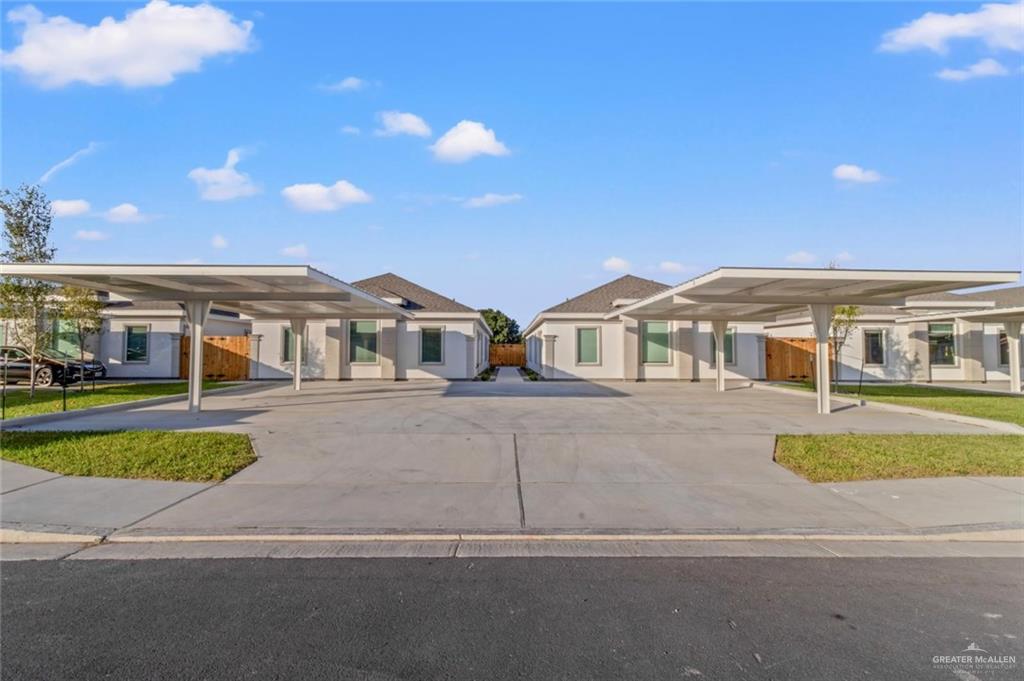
{"points": [[670, 266], [998, 25], [65, 208], [350, 84], [224, 183], [125, 212], [843, 256], [983, 69], [489, 199], [801, 258], [350, 130], [151, 46], [296, 251], [91, 235], [465, 141], [69, 161], [616, 264], [317, 197], [398, 123], [218, 241], [848, 172]]}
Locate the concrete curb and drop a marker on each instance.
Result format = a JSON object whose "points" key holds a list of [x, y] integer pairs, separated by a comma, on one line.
{"points": [[120, 406], [1010, 535], [8, 536], [1002, 426]]}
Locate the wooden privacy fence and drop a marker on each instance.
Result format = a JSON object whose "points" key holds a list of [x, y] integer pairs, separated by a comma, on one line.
{"points": [[508, 354], [791, 359], [225, 358]]}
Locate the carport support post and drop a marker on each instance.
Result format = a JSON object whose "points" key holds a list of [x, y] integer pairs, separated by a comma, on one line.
{"points": [[1012, 329], [196, 311], [298, 336], [719, 328], [821, 316]]}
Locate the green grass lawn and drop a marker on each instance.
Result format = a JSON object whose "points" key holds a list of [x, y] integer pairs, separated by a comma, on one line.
{"points": [[149, 454], [982, 405], [838, 458], [48, 400]]}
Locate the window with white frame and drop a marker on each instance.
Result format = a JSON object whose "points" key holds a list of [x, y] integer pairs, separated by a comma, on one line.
{"points": [[588, 345], [288, 345], [655, 343], [730, 348], [136, 344], [941, 344], [362, 342], [874, 347], [432, 345]]}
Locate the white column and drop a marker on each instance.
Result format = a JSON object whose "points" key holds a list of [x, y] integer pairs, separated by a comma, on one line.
{"points": [[1013, 341], [821, 316], [695, 351], [719, 327], [196, 312], [298, 337]]}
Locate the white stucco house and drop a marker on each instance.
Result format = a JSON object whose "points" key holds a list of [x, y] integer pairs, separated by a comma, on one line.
{"points": [[439, 338], [606, 333]]}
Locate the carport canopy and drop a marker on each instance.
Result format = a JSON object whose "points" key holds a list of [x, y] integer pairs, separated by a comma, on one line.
{"points": [[745, 294], [1010, 317], [295, 293]]}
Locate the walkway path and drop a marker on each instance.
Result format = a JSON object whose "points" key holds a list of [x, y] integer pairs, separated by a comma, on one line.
{"points": [[509, 375]]}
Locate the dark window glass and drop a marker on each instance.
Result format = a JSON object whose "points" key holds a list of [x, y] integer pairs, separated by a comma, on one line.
{"points": [[362, 346], [431, 346], [874, 348], [136, 344], [941, 346]]}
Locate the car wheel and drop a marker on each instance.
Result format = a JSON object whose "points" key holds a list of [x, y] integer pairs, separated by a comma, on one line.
{"points": [[44, 377]]}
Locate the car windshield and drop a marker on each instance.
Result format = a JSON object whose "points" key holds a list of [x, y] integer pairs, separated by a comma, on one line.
{"points": [[56, 354]]}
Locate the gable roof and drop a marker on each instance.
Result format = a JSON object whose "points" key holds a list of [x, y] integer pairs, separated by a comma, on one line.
{"points": [[599, 300], [417, 298]]}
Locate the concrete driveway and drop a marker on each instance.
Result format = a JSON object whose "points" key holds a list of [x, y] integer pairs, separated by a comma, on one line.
{"points": [[432, 456]]}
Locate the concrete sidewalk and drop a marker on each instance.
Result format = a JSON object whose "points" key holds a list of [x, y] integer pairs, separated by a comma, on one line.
{"points": [[508, 375]]}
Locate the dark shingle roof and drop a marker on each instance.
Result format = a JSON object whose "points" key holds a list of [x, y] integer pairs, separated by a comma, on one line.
{"points": [[393, 286], [600, 299]]}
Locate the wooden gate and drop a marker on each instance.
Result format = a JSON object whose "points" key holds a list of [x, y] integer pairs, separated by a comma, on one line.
{"points": [[791, 359], [225, 358], [508, 354]]}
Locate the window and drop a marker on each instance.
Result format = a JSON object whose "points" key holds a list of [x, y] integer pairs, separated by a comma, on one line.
{"points": [[874, 346], [588, 345], [288, 345], [655, 342], [362, 342], [941, 345], [63, 337], [1004, 349], [136, 344], [730, 348], [432, 345]]}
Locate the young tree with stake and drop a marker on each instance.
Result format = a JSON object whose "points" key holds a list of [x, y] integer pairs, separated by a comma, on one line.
{"points": [[27, 304]]}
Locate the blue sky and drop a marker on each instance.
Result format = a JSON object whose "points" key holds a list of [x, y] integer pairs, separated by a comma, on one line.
{"points": [[661, 139]]}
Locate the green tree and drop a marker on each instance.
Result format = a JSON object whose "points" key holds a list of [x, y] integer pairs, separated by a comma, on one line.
{"points": [[505, 329], [26, 305], [844, 320], [81, 307]]}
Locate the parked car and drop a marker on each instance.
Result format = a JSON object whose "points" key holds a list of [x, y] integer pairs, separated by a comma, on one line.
{"points": [[16, 365]]}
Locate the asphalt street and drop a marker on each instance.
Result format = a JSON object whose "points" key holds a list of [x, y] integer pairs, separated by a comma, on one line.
{"points": [[536, 618]]}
